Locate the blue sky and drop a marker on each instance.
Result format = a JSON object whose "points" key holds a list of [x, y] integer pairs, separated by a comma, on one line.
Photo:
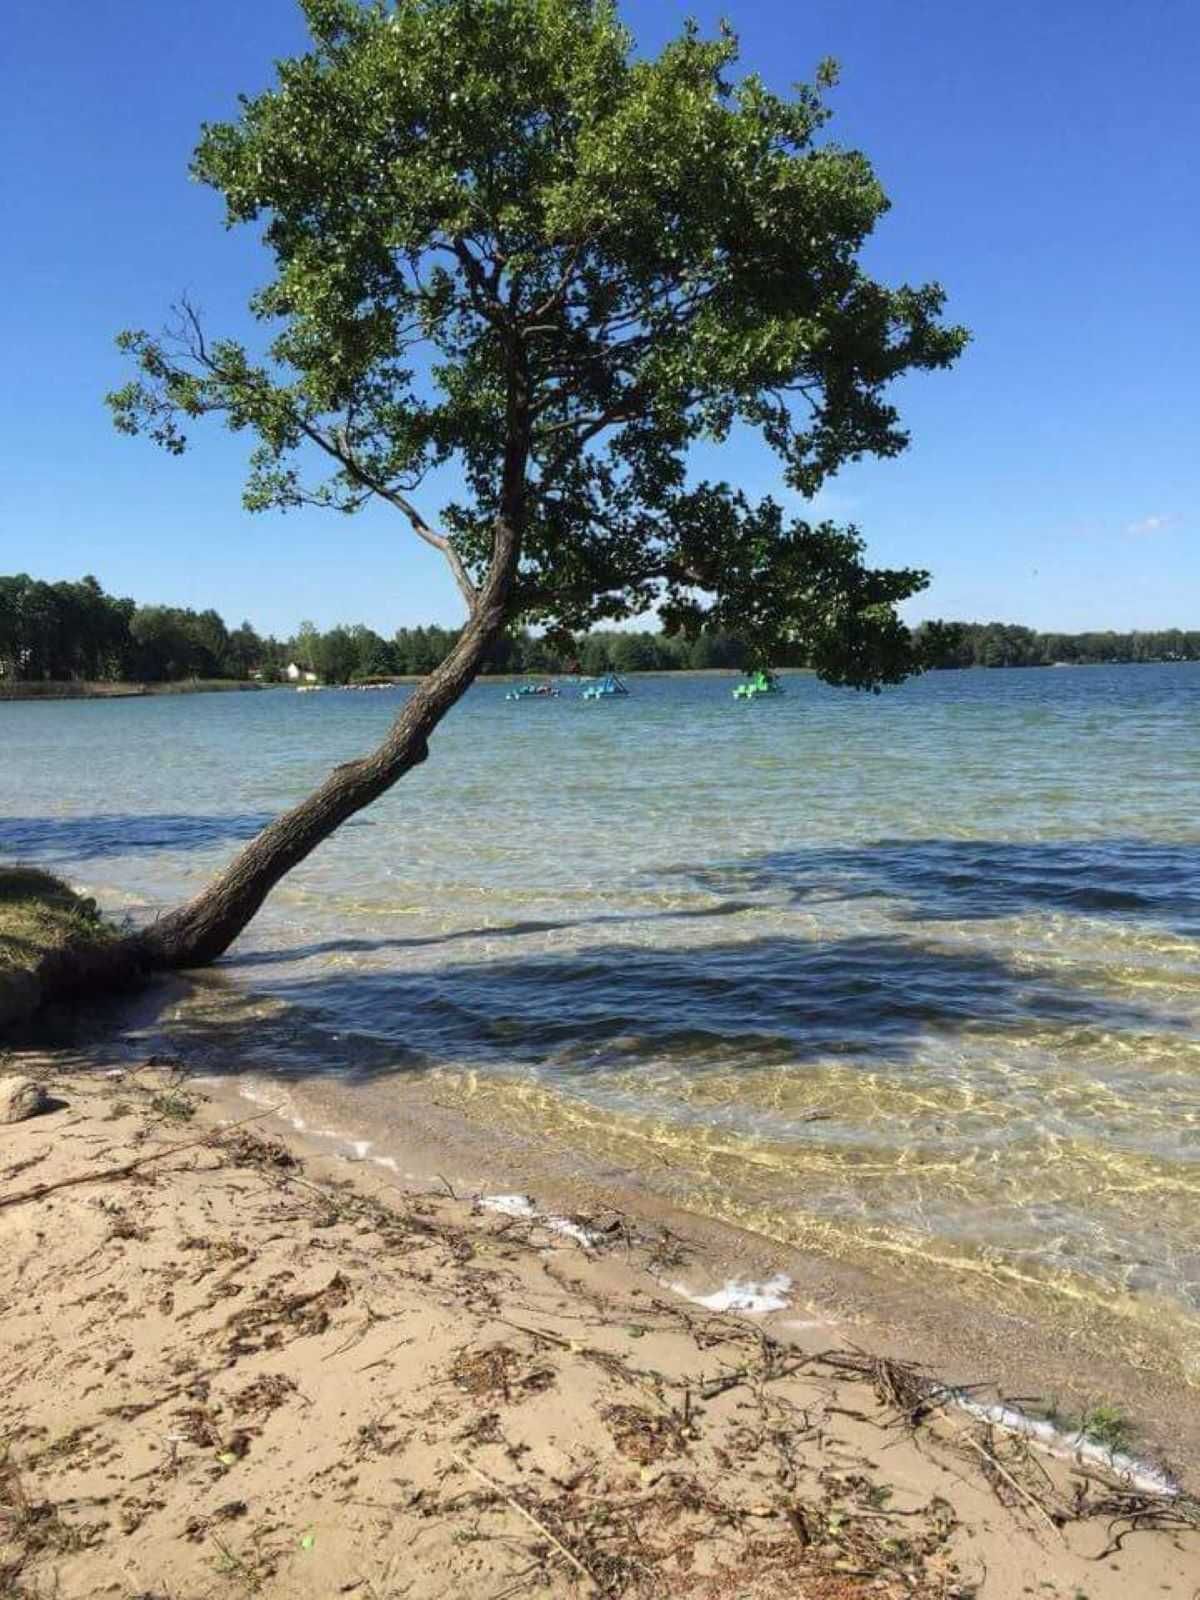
{"points": [[1042, 162]]}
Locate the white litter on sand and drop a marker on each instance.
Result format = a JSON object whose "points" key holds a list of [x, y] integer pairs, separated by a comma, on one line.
{"points": [[509, 1205], [753, 1299], [522, 1206], [1070, 1446]]}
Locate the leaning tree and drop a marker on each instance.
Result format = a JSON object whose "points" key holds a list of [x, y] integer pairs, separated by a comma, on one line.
{"points": [[504, 240]]}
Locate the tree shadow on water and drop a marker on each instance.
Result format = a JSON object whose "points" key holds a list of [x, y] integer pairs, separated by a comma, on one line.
{"points": [[504, 930], [89, 838], [758, 1002], [977, 879]]}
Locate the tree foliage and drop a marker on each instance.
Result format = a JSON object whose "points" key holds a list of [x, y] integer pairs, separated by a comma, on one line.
{"points": [[504, 240]]}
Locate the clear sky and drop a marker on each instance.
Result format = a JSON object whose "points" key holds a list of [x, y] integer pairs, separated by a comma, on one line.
{"points": [[1043, 158]]}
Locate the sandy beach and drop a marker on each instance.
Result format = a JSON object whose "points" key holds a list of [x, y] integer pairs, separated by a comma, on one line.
{"points": [[235, 1364]]}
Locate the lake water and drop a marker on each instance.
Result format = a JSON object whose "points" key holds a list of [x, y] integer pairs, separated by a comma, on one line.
{"points": [[913, 980]]}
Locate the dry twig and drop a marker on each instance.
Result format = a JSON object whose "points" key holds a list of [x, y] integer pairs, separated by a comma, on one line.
{"points": [[515, 1505]]}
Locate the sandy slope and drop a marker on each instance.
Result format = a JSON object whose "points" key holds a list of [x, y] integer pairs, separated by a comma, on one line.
{"points": [[235, 1370]]}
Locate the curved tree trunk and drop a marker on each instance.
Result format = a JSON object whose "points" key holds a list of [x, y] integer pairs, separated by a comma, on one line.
{"points": [[200, 931]]}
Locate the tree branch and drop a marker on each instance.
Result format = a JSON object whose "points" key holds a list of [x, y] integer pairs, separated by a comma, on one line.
{"points": [[336, 444], [555, 297]]}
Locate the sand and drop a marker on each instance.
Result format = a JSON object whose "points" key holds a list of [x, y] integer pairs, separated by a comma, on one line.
{"points": [[234, 1365]]}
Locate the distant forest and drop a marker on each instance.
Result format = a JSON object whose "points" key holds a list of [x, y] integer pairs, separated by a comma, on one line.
{"points": [[1005, 644], [75, 631]]}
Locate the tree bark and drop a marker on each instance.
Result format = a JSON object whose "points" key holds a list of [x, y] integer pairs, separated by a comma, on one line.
{"points": [[205, 927]]}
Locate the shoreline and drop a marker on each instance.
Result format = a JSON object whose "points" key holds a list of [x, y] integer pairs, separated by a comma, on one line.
{"points": [[24, 693], [1058, 1370], [241, 1355], [922, 1318], [54, 691], [74, 691], [718, 1279]]}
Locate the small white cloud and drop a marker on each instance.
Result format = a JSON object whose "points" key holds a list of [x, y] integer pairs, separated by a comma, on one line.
{"points": [[1149, 525]]}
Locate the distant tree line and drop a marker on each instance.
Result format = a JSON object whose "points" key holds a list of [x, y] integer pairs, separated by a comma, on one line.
{"points": [[75, 631], [65, 631], [345, 654], [1005, 644]]}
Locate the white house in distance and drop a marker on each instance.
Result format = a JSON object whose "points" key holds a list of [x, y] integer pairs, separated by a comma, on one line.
{"points": [[297, 674]]}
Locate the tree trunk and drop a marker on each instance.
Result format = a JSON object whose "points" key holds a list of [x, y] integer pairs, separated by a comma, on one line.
{"points": [[202, 930]]}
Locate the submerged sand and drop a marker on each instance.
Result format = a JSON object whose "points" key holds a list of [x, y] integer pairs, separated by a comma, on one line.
{"points": [[237, 1365]]}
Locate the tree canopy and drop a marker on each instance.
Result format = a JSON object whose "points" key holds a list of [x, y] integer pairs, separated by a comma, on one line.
{"points": [[505, 240]]}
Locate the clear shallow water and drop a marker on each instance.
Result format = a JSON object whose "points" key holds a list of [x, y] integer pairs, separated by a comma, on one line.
{"points": [[914, 980]]}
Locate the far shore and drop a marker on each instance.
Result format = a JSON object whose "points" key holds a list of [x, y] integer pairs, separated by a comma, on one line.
{"points": [[80, 690], [136, 691]]}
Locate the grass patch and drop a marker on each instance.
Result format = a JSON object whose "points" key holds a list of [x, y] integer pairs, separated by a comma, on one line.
{"points": [[1102, 1424], [40, 915], [1106, 1426], [47, 932], [173, 1105]]}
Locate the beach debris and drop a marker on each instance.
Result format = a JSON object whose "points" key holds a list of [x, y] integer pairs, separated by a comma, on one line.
{"points": [[266, 1394], [1129, 1511], [514, 1504], [244, 1148], [641, 1435], [113, 1174], [557, 1423], [904, 1388], [21, 1097], [306, 1316], [751, 1299], [499, 1370], [521, 1207]]}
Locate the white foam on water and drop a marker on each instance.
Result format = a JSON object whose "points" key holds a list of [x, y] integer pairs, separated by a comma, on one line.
{"points": [[350, 1148], [258, 1097], [754, 1299]]}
